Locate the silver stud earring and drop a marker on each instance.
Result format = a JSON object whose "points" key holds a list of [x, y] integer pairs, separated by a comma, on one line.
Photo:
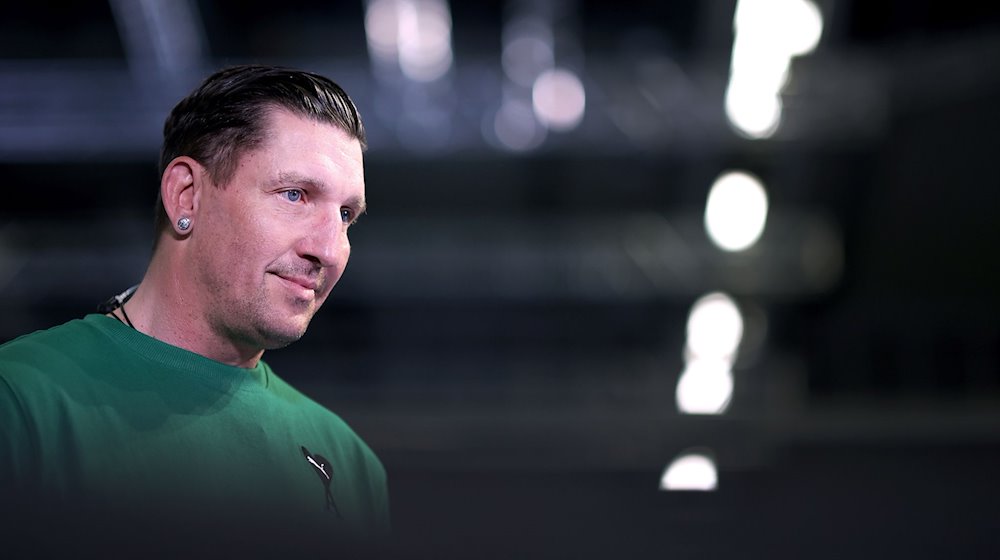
{"points": [[184, 223]]}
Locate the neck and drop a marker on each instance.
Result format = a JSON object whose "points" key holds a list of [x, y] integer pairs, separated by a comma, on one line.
{"points": [[166, 308]]}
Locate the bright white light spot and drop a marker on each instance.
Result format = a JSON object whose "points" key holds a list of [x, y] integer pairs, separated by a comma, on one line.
{"points": [[558, 99], [768, 33], [736, 211], [754, 112], [758, 66], [424, 39], [753, 17], [705, 386], [382, 29], [714, 327], [414, 33], [793, 26], [805, 27], [516, 128], [714, 332], [692, 471]]}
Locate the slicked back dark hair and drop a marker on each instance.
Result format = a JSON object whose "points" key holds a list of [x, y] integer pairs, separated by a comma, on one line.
{"points": [[227, 115]]}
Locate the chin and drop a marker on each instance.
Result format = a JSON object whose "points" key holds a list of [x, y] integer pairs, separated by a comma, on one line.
{"points": [[278, 336], [273, 341]]}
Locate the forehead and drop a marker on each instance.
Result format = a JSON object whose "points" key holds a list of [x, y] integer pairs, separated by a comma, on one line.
{"points": [[280, 123], [307, 145]]}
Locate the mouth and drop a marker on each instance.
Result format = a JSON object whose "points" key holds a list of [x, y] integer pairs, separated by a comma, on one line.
{"points": [[304, 288]]}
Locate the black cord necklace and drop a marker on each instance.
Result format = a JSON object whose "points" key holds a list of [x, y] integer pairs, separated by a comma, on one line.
{"points": [[127, 320], [118, 302]]}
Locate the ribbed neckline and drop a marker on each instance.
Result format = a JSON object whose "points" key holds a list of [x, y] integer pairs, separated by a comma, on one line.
{"points": [[205, 370]]}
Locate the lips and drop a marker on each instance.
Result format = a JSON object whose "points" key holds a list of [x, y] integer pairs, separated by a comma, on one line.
{"points": [[303, 285], [304, 282]]}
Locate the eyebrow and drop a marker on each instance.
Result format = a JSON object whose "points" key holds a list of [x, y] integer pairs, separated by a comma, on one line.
{"points": [[286, 177], [360, 204], [293, 178]]}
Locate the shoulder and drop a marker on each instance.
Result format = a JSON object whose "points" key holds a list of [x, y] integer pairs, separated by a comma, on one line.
{"points": [[48, 369], [52, 350], [77, 334]]}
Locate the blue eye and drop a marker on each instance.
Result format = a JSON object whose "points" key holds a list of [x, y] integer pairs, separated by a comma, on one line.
{"points": [[293, 195], [346, 215]]}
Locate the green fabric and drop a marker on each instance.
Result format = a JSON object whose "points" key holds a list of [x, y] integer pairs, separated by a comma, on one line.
{"points": [[95, 414]]}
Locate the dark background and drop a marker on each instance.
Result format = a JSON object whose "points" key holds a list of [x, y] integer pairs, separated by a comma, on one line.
{"points": [[496, 341]]}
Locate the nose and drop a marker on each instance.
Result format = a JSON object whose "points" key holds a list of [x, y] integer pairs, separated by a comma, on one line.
{"points": [[325, 241]]}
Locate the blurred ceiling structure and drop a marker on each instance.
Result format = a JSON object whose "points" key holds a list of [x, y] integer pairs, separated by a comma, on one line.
{"points": [[519, 282], [102, 74]]}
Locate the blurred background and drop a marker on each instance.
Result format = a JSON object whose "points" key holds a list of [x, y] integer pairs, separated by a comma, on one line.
{"points": [[638, 278]]}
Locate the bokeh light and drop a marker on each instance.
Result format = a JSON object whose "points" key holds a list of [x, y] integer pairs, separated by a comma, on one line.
{"points": [[736, 211], [558, 99], [690, 471]]}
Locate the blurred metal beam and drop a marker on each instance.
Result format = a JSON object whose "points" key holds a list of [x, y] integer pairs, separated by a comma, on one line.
{"points": [[651, 104], [163, 39]]}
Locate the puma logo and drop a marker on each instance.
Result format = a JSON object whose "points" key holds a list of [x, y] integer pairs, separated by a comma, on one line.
{"points": [[318, 466], [324, 470]]}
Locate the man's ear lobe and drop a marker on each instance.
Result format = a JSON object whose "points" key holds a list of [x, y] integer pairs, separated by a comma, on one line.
{"points": [[179, 188]]}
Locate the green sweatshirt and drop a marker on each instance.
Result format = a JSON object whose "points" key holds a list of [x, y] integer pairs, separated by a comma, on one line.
{"points": [[98, 417]]}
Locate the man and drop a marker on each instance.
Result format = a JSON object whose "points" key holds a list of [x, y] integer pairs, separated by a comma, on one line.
{"points": [[160, 412]]}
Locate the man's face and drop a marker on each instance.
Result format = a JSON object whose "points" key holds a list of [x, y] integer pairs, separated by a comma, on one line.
{"points": [[269, 245]]}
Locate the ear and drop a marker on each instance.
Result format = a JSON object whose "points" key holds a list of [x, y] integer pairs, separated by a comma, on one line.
{"points": [[180, 190]]}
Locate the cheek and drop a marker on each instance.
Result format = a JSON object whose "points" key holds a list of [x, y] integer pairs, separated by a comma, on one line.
{"points": [[248, 237]]}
